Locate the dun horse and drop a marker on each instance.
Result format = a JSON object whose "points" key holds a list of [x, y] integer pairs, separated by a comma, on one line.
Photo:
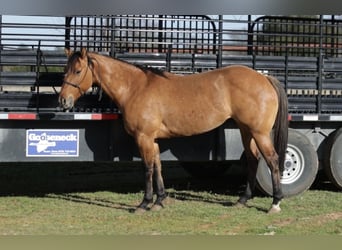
{"points": [[163, 105]]}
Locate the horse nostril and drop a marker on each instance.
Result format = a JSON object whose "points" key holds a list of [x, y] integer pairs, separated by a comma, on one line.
{"points": [[66, 103], [61, 101]]}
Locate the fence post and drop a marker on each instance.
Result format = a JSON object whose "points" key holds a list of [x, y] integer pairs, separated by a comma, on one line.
{"points": [[220, 41]]}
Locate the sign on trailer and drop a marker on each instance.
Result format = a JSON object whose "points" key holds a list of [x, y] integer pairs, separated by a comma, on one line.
{"points": [[52, 143]]}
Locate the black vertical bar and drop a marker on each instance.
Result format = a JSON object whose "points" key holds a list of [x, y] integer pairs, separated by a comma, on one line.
{"points": [[74, 36], [0, 52], [220, 42], [198, 38], [121, 33], [168, 57], [94, 29], [99, 35], [179, 35], [112, 38], [135, 25], [0, 32], [250, 36], [333, 36], [320, 65], [185, 38], [38, 63], [160, 34], [286, 79], [67, 32]]}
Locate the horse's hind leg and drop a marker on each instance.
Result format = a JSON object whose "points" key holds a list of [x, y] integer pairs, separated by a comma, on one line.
{"points": [[252, 156], [265, 145], [161, 195]]}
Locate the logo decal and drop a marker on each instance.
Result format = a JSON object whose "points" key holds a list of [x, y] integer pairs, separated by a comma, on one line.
{"points": [[52, 143]]}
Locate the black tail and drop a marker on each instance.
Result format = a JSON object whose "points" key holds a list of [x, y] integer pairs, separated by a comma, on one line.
{"points": [[281, 123]]}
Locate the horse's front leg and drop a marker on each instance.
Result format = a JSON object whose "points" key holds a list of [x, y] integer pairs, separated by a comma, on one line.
{"points": [[149, 151], [252, 156], [146, 149], [161, 195], [252, 166]]}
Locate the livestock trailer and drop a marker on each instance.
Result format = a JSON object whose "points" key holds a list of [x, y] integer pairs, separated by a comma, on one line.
{"points": [[303, 53]]}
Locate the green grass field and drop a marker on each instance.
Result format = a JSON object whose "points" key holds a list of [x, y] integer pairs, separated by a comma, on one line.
{"points": [[49, 206]]}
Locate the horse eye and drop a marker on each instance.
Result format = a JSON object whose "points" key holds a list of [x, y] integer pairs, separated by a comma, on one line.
{"points": [[78, 72]]}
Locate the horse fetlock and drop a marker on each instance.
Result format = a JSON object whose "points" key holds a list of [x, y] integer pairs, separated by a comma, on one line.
{"points": [[144, 205], [160, 200], [243, 199], [277, 198]]}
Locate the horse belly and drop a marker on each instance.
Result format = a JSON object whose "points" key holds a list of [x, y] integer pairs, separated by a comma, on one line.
{"points": [[192, 122], [197, 110]]}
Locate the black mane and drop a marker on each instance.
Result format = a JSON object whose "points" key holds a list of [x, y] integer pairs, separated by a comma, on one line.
{"points": [[145, 68], [153, 70]]}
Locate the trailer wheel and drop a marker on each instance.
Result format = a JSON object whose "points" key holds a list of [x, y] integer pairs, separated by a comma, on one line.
{"points": [[300, 167], [333, 159]]}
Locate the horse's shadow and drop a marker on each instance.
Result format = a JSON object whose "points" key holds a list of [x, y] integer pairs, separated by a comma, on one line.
{"points": [[232, 202], [77, 198], [184, 189], [180, 195], [66, 182], [70, 181], [191, 196]]}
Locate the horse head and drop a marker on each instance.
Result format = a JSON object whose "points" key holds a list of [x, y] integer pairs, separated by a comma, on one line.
{"points": [[77, 79]]}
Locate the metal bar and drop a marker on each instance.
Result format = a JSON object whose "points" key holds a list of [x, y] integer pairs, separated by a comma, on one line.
{"points": [[67, 32], [220, 42], [320, 67], [112, 38], [38, 75]]}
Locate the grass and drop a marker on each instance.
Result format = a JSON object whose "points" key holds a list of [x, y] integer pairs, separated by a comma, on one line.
{"points": [[196, 208], [107, 213]]}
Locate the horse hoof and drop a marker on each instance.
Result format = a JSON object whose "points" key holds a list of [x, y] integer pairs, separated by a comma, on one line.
{"points": [[239, 205], [139, 211], [168, 201], [156, 207], [274, 209]]}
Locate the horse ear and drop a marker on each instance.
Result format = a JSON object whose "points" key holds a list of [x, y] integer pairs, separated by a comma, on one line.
{"points": [[68, 52], [84, 52]]}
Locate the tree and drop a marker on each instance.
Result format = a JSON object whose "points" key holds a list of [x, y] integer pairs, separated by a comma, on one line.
{"points": [[298, 35]]}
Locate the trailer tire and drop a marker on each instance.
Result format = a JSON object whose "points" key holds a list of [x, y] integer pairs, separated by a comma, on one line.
{"points": [[300, 167], [333, 159]]}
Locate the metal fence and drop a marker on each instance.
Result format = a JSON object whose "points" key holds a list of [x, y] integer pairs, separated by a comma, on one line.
{"points": [[296, 36], [144, 33], [187, 34]]}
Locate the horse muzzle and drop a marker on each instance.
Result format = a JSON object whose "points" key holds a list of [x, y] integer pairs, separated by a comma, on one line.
{"points": [[66, 103]]}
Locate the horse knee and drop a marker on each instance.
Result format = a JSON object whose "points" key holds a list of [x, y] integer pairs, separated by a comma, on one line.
{"points": [[146, 148]]}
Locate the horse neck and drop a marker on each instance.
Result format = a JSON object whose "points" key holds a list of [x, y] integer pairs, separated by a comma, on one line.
{"points": [[118, 79]]}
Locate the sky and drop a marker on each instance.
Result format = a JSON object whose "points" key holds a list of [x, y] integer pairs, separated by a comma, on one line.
{"points": [[49, 34]]}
